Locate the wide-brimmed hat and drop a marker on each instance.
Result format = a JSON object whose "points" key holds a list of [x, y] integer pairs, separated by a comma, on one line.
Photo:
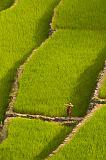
{"points": [[69, 104]]}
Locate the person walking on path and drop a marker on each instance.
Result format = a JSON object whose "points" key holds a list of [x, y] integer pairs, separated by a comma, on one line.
{"points": [[69, 110]]}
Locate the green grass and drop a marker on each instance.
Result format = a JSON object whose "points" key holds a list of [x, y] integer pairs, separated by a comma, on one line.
{"points": [[63, 70], [89, 143], [102, 90], [80, 14], [4, 4], [31, 139], [22, 28]]}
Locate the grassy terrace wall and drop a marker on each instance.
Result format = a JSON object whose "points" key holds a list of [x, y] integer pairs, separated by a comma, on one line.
{"points": [[22, 28], [31, 139], [4, 4], [102, 90], [89, 142]]}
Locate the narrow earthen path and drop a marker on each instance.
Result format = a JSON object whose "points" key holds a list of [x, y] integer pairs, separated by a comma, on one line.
{"points": [[45, 118]]}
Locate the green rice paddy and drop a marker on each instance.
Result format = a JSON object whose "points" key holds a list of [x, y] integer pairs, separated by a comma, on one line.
{"points": [[80, 14], [31, 139], [22, 28]]}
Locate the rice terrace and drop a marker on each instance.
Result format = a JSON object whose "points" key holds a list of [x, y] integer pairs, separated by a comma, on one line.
{"points": [[52, 79]]}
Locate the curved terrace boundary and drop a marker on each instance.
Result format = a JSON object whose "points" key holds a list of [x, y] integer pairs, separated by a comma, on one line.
{"points": [[7, 4]]}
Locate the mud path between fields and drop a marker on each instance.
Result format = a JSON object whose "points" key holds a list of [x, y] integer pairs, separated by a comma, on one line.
{"points": [[46, 118]]}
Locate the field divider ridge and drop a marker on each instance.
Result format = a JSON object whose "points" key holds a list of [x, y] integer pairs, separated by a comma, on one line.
{"points": [[101, 77], [46, 118]]}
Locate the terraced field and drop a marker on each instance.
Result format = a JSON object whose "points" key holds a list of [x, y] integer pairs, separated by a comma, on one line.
{"points": [[31, 139], [64, 65], [51, 53], [18, 37], [60, 72]]}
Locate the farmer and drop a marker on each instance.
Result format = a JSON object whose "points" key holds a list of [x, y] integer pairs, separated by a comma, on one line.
{"points": [[69, 109]]}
